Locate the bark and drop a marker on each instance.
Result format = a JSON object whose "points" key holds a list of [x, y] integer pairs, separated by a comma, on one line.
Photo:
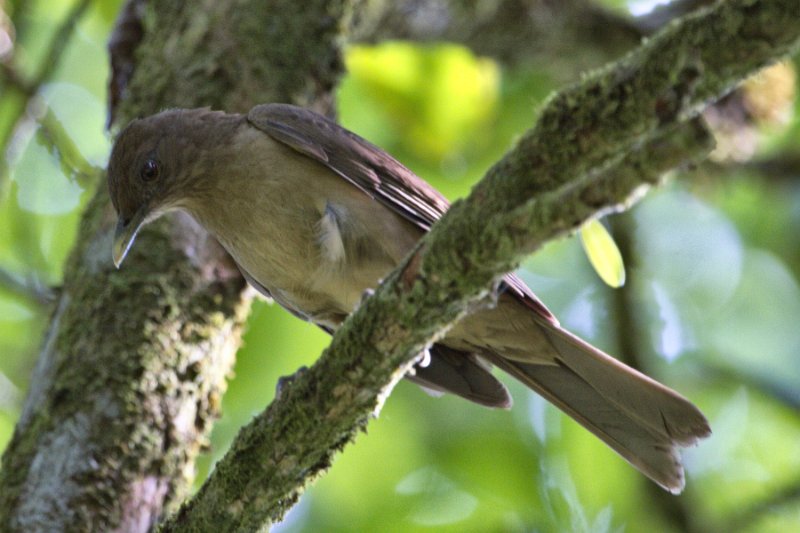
{"points": [[133, 366], [593, 148]]}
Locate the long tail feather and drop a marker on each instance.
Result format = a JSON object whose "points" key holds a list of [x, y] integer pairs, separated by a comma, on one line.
{"points": [[642, 420]]}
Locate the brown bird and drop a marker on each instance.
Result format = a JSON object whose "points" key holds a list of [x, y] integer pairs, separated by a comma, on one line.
{"points": [[314, 215]]}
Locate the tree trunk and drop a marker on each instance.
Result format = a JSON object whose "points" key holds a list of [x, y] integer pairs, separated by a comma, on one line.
{"points": [[133, 366]]}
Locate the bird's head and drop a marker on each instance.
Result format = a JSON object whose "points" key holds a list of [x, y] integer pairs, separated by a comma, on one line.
{"points": [[137, 172], [152, 164]]}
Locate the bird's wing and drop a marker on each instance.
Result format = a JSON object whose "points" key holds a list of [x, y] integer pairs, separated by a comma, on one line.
{"points": [[370, 169], [358, 161]]}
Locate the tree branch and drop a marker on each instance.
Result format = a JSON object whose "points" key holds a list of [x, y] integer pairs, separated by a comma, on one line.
{"points": [[59, 41], [319, 412], [565, 170], [563, 37], [30, 288]]}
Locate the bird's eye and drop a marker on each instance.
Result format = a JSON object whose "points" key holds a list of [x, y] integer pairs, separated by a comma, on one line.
{"points": [[150, 170]]}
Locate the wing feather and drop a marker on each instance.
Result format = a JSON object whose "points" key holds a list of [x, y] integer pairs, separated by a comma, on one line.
{"points": [[372, 170]]}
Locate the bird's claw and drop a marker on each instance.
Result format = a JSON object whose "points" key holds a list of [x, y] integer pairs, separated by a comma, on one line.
{"points": [[425, 358], [366, 294]]}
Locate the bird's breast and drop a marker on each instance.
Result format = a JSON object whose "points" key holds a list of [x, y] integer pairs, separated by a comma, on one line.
{"points": [[309, 237]]}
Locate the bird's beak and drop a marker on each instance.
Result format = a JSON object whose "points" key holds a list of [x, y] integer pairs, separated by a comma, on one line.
{"points": [[125, 234]]}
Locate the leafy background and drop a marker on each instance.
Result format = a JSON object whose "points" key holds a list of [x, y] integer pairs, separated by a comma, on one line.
{"points": [[712, 302]]}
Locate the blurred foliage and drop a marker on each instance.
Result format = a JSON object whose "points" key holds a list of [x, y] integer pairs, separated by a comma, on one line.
{"points": [[53, 144], [603, 253], [435, 97], [713, 287]]}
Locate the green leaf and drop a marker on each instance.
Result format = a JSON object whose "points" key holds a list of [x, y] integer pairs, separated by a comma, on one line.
{"points": [[603, 253]]}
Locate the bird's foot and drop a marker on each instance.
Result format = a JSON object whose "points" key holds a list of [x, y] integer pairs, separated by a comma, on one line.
{"points": [[423, 360], [366, 294]]}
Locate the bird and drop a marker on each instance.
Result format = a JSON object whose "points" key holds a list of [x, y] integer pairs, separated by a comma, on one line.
{"points": [[315, 216]]}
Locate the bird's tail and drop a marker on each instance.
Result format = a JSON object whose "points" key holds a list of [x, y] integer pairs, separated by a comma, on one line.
{"points": [[641, 419]]}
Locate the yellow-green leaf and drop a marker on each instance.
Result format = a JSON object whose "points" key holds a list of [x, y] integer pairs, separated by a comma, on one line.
{"points": [[603, 253]]}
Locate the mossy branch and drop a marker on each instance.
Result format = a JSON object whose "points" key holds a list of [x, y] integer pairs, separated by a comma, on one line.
{"points": [[593, 147]]}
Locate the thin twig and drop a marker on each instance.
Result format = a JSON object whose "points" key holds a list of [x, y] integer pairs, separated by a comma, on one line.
{"points": [[30, 288], [58, 44], [55, 51], [61, 146]]}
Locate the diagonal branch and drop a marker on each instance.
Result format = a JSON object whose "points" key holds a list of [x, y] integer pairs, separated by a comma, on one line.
{"points": [[593, 147], [563, 37], [275, 456]]}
